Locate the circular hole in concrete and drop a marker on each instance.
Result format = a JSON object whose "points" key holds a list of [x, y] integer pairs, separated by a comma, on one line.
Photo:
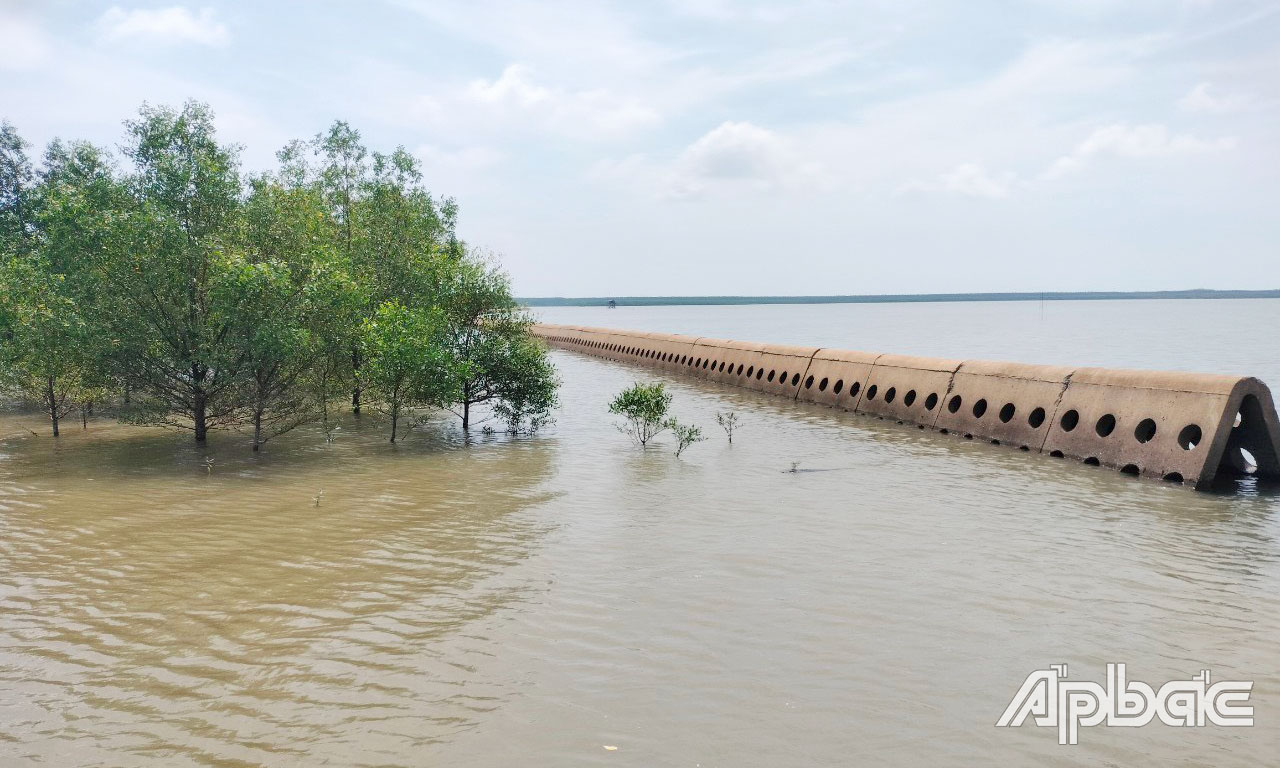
{"points": [[1092, 461], [1036, 418], [931, 401], [1189, 437], [980, 408], [771, 375], [839, 387], [1145, 430], [795, 379], [890, 393], [759, 374], [855, 388], [1069, 420], [1131, 469], [1057, 454], [740, 369], [909, 398], [1173, 477], [954, 405], [822, 385], [808, 383], [750, 371], [1006, 413], [871, 392], [1105, 426]]}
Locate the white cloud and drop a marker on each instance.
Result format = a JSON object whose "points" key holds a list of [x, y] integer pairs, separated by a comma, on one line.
{"points": [[1205, 98], [172, 25], [593, 113], [515, 85], [970, 179], [739, 155], [1140, 141], [26, 46], [732, 156]]}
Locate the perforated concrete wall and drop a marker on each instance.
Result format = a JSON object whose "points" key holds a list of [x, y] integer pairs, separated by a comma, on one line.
{"points": [[1181, 427]]}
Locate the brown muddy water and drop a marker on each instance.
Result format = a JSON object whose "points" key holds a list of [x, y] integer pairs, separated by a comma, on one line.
{"points": [[497, 602]]}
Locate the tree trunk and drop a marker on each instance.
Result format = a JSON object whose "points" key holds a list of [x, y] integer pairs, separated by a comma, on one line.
{"points": [[200, 417], [355, 393], [257, 430], [466, 415], [84, 417], [395, 420], [52, 399], [199, 410]]}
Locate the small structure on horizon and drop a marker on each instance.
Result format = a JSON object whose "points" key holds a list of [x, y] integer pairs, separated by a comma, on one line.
{"points": [[613, 304]]}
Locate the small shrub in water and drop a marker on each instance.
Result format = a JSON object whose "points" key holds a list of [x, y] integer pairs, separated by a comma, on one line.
{"points": [[643, 408], [686, 434]]}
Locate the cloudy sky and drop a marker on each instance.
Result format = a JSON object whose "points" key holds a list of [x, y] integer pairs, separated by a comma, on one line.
{"points": [[741, 147]]}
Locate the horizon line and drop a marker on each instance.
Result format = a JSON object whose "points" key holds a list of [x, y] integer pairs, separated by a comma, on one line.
{"points": [[622, 301]]}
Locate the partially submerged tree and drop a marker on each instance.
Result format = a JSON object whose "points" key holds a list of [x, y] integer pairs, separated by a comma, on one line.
{"points": [[178, 345], [43, 341], [295, 296], [527, 388], [685, 434], [343, 173], [644, 410], [495, 358], [49, 346], [728, 421], [406, 364]]}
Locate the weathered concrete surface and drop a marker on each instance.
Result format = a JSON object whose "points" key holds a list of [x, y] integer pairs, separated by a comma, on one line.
{"points": [[843, 372], [909, 389], [1181, 427], [1010, 402]]}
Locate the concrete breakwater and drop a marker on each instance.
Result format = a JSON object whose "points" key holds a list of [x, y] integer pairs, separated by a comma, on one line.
{"points": [[1181, 427]]}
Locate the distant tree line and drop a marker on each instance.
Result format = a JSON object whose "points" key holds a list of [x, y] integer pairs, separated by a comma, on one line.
{"points": [[172, 288]]}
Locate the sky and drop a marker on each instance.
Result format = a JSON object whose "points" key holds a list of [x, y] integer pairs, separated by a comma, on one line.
{"points": [[711, 147]]}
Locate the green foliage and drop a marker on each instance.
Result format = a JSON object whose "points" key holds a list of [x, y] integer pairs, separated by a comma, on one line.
{"points": [[212, 301], [527, 388], [495, 357], [44, 338], [685, 434], [16, 178], [406, 362], [728, 421], [644, 410]]}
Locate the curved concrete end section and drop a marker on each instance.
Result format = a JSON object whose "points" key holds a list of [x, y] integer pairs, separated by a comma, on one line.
{"points": [[1181, 427]]}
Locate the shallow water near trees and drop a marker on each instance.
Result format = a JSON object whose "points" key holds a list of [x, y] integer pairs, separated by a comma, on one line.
{"points": [[494, 601]]}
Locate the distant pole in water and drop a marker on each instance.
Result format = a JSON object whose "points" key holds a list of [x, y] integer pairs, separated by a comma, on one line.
{"points": [[613, 304]]}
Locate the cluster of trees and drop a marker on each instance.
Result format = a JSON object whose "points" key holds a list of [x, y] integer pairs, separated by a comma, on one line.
{"points": [[171, 288]]}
